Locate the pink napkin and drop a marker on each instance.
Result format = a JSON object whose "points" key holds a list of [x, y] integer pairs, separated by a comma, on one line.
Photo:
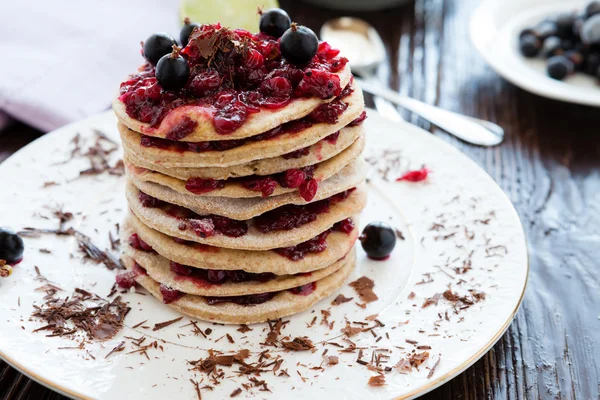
{"points": [[63, 60]]}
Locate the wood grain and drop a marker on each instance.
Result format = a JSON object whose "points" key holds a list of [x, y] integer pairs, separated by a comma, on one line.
{"points": [[549, 167]]}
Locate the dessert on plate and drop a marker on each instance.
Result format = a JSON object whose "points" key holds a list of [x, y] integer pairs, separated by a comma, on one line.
{"points": [[245, 176]]}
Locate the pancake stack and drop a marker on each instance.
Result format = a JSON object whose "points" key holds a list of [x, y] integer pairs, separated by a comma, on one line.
{"points": [[251, 225]]}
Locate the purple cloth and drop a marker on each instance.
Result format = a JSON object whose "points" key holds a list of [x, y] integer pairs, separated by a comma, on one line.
{"points": [[63, 60]]}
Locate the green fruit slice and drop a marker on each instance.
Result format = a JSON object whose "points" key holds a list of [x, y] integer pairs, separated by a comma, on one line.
{"points": [[232, 13]]}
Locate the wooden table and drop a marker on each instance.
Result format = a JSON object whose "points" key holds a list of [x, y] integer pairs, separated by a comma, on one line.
{"points": [[548, 166]]}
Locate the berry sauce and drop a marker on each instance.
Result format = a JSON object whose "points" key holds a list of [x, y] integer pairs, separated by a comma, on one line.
{"points": [[283, 218], [292, 216], [304, 290], [137, 243], [250, 299], [126, 280], [326, 113], [233, 73], [317, 244], [170, 295], [359, 120], [209, 277], [292, 178]]}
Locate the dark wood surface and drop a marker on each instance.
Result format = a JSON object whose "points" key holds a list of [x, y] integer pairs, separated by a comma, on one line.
{"points": [[549, 166]]}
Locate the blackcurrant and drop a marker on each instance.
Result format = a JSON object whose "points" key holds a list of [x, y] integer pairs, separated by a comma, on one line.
{"points": [[564, 24], [11, 246], [274, 22], [591, 63], [157, 46], [299, 45], [172, 70], [529, 45], [590, 31], [592, 8], [576, 58], [378, 239], [551, 47], [186, 31], [527, 31], [559, 67], [546, 29]]}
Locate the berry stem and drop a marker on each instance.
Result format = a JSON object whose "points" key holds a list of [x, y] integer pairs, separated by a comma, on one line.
{"points": [[176, 51], [186, 21], [294, 27]]}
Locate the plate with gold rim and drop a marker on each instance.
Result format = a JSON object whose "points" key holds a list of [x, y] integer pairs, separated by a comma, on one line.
{"points": [[448, 292]]}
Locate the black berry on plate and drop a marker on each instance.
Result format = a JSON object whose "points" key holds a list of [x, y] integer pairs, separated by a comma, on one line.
{"points": [[378, 239], [299, 45], [559, 67], [590, 31], [11, 246], [186, 31], [597, 73], [529, 45], [527, 31], [592, 8], [157, 46], [591, 63], [546, 29], [564, 24], [172, 71], [576, 57], [552, 46], [274, 22]]}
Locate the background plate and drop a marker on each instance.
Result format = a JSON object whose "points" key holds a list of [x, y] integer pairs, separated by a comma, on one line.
{"points": [[461, 232], [495, 28]]}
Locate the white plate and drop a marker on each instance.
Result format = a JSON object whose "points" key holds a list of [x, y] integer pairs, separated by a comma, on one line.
{"points": [[457, 194], [495, 28]]}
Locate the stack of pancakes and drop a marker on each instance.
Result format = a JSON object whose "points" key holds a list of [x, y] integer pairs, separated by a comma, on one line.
{"points": [[208, 238]]}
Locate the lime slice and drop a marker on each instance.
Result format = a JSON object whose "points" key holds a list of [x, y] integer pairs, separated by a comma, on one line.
{"points": [[231, 13]]}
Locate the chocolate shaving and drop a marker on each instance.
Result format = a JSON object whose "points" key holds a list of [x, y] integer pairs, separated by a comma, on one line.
{"points": [[332, 360], [81, 312], [377, 380], [119, 347], [244, 328], [432, 370], [364, 289], [235, 392], [399, 234], [84, 242], [299, 344], [139, 324], [274, 332], [162, 325], [431, 300], [197, 388], [350, 330], [97, 155], [341, 299]]}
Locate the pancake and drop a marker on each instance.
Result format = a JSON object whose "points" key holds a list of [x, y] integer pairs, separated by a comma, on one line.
{"points": [[233, 189], [321, 151], [159, 269], [248, 152], [255, 124], [158, 219], [338, 245], [284, 303], [242, 209]]}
